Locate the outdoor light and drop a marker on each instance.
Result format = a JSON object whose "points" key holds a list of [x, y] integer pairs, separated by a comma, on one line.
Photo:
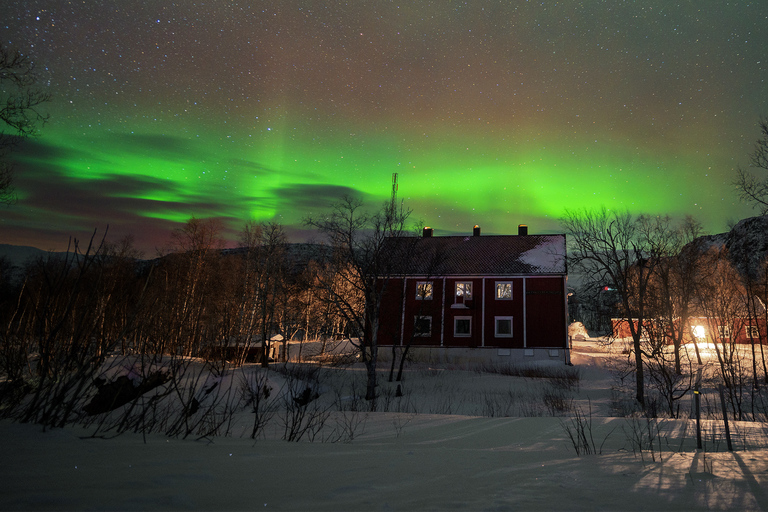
{"points": [[699, 331]]}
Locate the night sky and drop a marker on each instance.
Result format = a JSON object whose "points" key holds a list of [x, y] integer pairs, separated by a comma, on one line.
{"points": [[492, 112]]}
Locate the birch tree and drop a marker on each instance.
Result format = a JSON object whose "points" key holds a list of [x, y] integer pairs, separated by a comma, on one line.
{"points": [[20, 114], [359, 269], [618, 249]]}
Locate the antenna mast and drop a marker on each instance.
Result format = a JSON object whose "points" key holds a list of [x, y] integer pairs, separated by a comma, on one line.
{"points": [[394, 189]]}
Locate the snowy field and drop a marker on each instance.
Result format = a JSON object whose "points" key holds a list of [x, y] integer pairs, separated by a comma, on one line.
{"points": [[457, 439]]}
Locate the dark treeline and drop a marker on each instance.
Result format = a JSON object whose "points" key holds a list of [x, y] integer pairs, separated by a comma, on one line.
{"points": [[62, 314]]}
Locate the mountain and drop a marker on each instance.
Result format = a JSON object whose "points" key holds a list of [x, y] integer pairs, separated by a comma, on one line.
{"points": [[747, 244], [18, 255]]}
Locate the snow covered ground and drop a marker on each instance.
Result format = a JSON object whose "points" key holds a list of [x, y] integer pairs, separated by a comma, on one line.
{"points": [[438, 453]]}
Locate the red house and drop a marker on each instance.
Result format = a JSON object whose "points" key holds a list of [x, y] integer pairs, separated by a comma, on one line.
{"points": [[473, 298]]}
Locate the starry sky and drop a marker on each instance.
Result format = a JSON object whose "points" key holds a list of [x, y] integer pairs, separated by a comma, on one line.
{"points": [[495, 112]]}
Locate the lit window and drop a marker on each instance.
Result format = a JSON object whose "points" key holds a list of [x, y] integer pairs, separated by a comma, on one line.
{"points": [[422, 326], [464, 289], [424, 290], [503, 327], [752, 332], [699, 331], [504, 290], [462, 326]]}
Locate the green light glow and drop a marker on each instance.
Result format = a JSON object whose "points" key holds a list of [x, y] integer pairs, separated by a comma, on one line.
{"points": [[444, 177], [492, 113]]}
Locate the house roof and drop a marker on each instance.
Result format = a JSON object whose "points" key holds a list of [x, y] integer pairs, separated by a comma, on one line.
{"points": [[484, 255]]}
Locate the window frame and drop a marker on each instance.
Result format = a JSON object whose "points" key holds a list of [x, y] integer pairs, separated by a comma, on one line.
{"points": [[456, 321], [496, 321], [724, 332], [425, 284], [499, 284], [466, 290], [416, 333], [752, 331]]}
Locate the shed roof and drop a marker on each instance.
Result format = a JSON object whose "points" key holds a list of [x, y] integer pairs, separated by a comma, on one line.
{"points": [[484, 255]]}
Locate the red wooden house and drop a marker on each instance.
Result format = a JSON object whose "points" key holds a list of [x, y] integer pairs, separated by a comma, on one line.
{"points": [[479, 297], [739, 330]]}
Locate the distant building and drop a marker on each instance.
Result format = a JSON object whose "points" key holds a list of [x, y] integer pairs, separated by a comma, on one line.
{"points": [[463, 298]]}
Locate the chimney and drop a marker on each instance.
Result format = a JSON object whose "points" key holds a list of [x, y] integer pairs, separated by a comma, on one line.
{"points": [[476, 230], [522, 229], [427, 233]]}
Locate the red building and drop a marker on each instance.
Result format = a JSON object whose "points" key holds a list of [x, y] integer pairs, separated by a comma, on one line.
{"points": [[738, 330], [479, 297]]}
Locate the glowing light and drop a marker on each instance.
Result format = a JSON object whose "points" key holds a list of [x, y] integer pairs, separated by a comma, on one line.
{"points": [[699, 332]]}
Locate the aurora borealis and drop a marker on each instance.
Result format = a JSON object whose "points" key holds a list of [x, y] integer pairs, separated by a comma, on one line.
{"points": [[491, 112]]}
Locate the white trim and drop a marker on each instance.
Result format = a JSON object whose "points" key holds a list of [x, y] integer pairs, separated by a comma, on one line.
{"points": [[511, 290], [496, 320], [525, 314], [482, 318], [425, 317], [425, 282], [464, 296], [455, 321], [442, 316]]}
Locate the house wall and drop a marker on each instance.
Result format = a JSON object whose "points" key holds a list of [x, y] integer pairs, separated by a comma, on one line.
{"points": [[536, 311], [738, 327]]}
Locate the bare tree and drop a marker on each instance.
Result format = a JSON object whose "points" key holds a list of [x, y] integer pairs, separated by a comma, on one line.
{"points": [[751, 188], [756, 284], [615, 248], [20, 113], [720, 296], [361, 267], [266, 275], [673, 282], [186, 282]]}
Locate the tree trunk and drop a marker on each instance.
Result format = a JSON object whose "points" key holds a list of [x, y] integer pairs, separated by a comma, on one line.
{"points": [[639, 379], [370, 388]]}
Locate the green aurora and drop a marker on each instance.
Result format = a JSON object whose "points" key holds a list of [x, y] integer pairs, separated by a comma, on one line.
{"points": [[141, 143]]}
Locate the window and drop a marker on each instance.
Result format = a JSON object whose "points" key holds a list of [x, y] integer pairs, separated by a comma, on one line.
{"points": [[504, 290], [503, 327], [724, 331], [424, 290], [422, 326], [752, 331], [462, 326], [464, 290]]}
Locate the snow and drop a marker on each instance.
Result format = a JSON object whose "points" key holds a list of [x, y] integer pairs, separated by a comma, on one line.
{"points": [[416, 459], [546, 256]]}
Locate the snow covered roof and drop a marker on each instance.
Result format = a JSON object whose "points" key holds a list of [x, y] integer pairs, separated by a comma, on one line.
{"points": [[485, 255]]}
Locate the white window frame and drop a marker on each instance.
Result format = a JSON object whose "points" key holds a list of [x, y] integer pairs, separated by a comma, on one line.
{"points": [[463, 289], [428, 288], [456, 320], [752, 331], [496, 320], [426, 334], [723, 331], [499, 285]]}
